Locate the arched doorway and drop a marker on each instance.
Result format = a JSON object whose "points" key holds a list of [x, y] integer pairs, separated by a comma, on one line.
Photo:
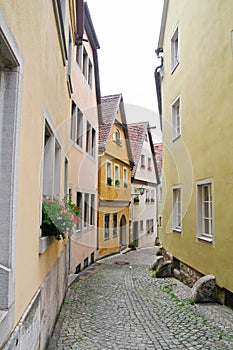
{"points": [[123, 231]]}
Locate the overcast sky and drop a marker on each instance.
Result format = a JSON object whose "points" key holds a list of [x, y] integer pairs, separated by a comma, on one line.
{"points": [[128, 32]]}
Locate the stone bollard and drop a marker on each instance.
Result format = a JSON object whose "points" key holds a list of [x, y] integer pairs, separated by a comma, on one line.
{"points": [[156, 263], [165, 269], [204, 290]]}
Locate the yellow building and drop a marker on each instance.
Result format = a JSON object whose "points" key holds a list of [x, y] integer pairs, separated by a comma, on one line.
{"points": [[38, 43], [114, 176], [197, 80]]}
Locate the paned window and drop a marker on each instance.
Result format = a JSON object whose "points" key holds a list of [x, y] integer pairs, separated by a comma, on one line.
{"points": [[106, 226], [205, 210], [176, 119], [176, 209], [175, 55], [114, 225]]}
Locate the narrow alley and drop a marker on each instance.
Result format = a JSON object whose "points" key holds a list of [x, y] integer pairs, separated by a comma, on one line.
{"points": [[117, 304]]}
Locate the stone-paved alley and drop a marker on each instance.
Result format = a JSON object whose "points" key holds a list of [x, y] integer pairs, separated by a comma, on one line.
{"points": [[122, 307]]}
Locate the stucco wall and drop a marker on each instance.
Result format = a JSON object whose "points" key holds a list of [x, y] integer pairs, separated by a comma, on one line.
{"points": [[203, 80]]}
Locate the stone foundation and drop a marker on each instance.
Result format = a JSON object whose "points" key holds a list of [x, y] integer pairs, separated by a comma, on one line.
{"points": [[36, 326]]}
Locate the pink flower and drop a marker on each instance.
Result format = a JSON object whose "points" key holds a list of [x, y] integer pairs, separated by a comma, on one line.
{"points": [[67, 229], [59, 218]]}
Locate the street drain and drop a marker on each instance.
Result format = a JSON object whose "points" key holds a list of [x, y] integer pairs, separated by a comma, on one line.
{"points": [[121, 262]]}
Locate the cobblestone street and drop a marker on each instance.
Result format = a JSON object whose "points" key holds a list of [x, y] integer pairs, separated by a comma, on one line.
{"points": [[120, 306]]}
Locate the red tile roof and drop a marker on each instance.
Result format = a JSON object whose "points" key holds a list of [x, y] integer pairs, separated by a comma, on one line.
{"points": [[137, 132], [109, 105]]}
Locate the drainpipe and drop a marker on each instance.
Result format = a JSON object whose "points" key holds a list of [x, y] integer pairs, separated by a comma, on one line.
{"points": [[157, 76]]}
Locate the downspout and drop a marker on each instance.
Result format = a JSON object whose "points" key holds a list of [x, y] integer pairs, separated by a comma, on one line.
{"points": [[157, 76]]}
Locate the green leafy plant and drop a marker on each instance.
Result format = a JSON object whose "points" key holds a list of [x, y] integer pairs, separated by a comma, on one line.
{"points": [[117, 183], [109, 181], [136, 199], [59, 217], [133, 245]]}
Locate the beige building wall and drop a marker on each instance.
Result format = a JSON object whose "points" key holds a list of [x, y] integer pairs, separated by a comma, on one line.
{"points": [[202, 80]]}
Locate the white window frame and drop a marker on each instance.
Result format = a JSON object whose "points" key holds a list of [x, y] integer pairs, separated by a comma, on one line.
{"points": [[201, 216], [76, 125], [107, 229], [108, 164], [117, 174], [143, 161], [176, 118], [175, 49], [114, 228], [177, 208], [125, 178]]}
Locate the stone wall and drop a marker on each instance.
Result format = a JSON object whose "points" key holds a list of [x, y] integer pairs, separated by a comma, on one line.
{"points": [[36, 326]]}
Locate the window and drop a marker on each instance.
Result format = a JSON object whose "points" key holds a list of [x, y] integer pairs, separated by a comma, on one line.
{"points": [[10, 96], [135, 231], [160, 194], [149, 226], [85, 62], [116, 175], [93, 142], [90, 73], [88, 136], [114, 225], [149, 164], [60, 11], [205, 210], [141, 225], [152, 196], [80, 207], [106, 226], [176, 120], [160, 221], [125, 178], [70, 47], [76, 125], [52, 164], [117, 137], [92, 215], [175, 56], [143, 161], [147, 196], [79, 55], [86, 210], [109, 173], [176, 209], [65, 178]]}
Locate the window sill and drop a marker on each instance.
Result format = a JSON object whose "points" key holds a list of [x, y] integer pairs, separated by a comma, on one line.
{"points": [[205, 239], [44, 243], [107, 239], [174, 67], [176, 138], [176, 229]]}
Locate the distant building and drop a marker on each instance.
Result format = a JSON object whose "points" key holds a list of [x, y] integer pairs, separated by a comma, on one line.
{"points": [[115, 162], [196, 78], [144, 181]]}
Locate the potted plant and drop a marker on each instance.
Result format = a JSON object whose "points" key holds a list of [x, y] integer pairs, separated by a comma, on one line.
{"points": [[117, 183], [59, 218], [136, 199], [109, 181], [133, 245]]}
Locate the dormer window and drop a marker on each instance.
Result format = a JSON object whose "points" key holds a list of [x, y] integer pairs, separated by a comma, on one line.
{"points": [[117, 137]]}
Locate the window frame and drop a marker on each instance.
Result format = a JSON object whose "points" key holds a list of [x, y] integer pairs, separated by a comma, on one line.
{"points": [[175, 49], [108, 164], [143, 161], [117, 178], [177, 208], [114, 227], [106, 229], [176, 126], [201, 217]]}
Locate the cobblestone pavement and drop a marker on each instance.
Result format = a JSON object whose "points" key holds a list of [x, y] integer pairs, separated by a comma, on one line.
{"points": [[122, 307]]}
